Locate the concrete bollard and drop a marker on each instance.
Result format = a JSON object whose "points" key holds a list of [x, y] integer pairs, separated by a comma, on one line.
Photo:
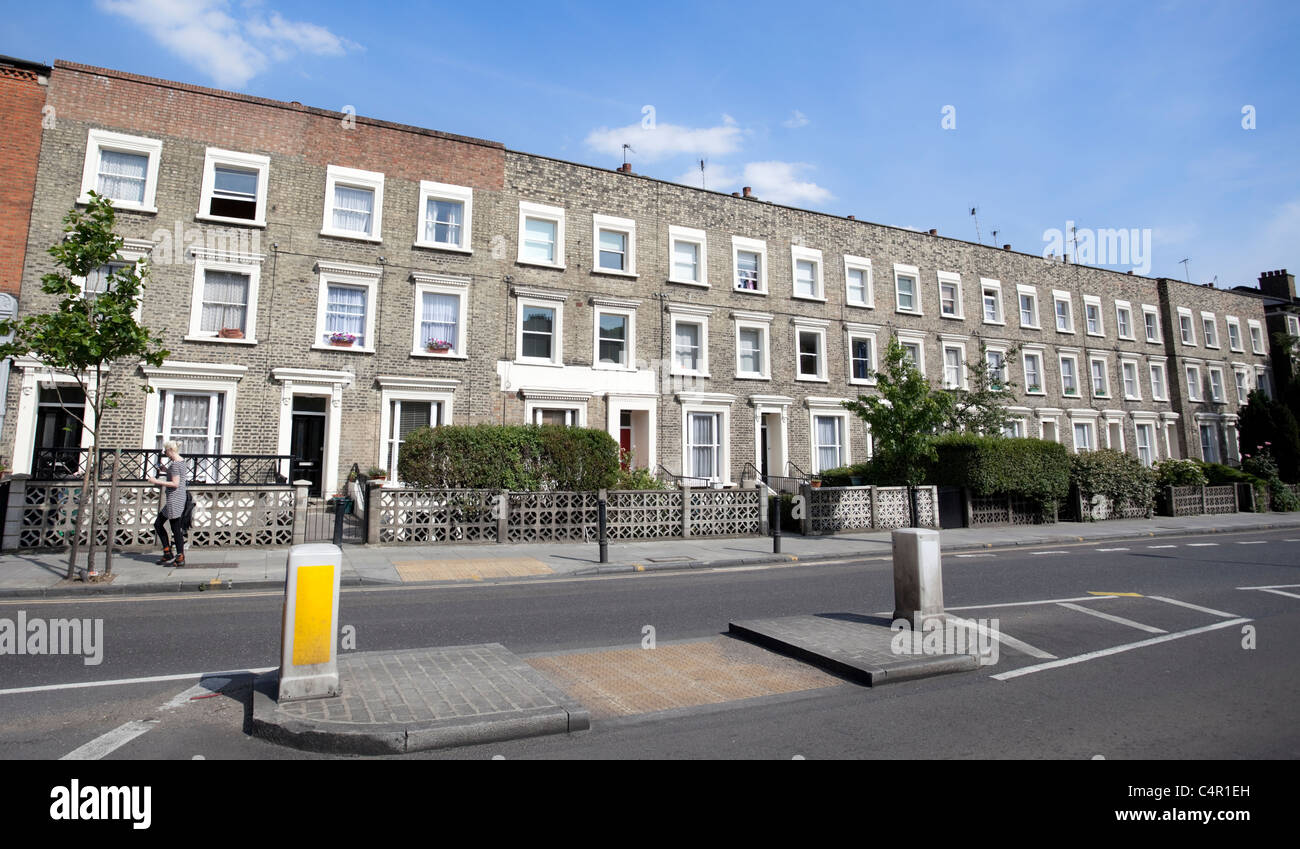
{"points": [[918, 575], [308, 657]]}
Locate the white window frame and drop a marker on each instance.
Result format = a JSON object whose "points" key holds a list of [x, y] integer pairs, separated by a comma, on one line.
{"points": [[708, 403], [1292, 325], [818, 328], [1124, 308], [463, 195], [1256, 336], [1209, 329], [1186, 332], [762, 322], [1195, 391], [215, 157], [1241, 376], [1148, 310], [1221, 395], [624, 226], [575, 412], [862, 331], [555, 214], [758, 246], [1152, 451], [1093, 302], [1040, 355], [440, 391], [1023, 291], [1003, 374], [947, 345], [818, 408], [353, 276], [1060, 297], [1234, 323], [1129, 363], [695, 237], [987, 285], [799, 253], [100, 140], [1093, 359], [1090, 427], [917, 338], [1158, 366], [862, 264], [954, 279], [601, 307], [912, 272], [443, 284], [354, 178], [689, 314], [529, 298], [205, 261], [191, 379], [1078, 378]]}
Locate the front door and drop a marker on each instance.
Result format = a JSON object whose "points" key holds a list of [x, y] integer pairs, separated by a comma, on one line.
{"points": [[56, 452], [307, 440], [762, 449]]}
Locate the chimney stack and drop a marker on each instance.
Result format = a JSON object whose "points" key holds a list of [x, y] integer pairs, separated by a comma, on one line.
{"points": [[625, 168], [735, 194], [934, 232], [748, 192], [853, 218], [1006, 247], [1278, 284]]}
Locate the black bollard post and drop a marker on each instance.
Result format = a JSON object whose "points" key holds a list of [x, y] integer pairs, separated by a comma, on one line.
{"points": [[911, 503], [776, 525], [602, 537], [338, 521]]}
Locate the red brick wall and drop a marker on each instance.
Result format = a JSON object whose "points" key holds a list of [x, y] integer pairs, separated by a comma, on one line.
{"points": [[114, 99], [21, 100]]}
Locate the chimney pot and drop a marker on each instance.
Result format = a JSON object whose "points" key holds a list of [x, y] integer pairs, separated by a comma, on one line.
{"points": [[1129, 272], [853, 218], [1006, 247], [1065, 257], [625, 168], [748, 191], [934, 232], [735, 194]]}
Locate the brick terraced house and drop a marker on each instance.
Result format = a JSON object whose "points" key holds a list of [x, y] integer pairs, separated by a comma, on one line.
{"points": [[326, 283]]}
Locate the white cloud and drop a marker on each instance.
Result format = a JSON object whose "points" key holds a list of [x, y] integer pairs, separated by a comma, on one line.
{"points": [[797, 119], [779, 182], [661, 140], [231, 51]]}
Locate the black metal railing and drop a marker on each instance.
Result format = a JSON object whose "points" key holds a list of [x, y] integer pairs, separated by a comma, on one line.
{"points": [[668, 476], [141, 463]]}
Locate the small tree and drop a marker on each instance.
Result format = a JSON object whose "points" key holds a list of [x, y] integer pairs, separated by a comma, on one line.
{"points": [[904, 419], [982, 407], [84, 333], [1268, 422]]}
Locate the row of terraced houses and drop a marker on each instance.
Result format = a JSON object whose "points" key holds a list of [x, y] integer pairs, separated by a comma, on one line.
{"points": [[327, 282]]}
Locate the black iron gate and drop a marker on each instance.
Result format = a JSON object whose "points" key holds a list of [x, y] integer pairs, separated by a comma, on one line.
{"points": [[334, 520]]}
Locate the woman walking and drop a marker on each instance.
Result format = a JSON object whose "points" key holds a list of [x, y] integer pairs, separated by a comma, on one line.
{"points": [[173, 506]]}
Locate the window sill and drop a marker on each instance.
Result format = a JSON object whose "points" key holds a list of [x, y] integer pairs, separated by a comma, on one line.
{"points": [[998, 323], [743, 291], [700, 283], [612, 367], [447, 356], [122, 206], [1031, 326], [1059, 330], [354, 237], [259, 223], [857, 382], [676, 373], [952, 317], [1097, 335], [220, 340], [909, 312], [439, 246], [812, 379], [613, 272], [808, 298], [536, 264], [753, 377], [860, 304], [356, 349], [519, 361]]}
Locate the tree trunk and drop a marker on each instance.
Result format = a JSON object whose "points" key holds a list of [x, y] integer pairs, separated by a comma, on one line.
{"points": [[86, 482]]}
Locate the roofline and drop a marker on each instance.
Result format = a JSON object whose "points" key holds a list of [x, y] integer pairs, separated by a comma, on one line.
{"points": [[64, 65], [25, 64]]}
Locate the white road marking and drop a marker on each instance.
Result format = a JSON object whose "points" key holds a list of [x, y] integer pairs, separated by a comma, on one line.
{"points": [[1200, 544], [1049, 552], [1252, 542], [1208, 610], [1110, 549], [1120, 619], [974, 555], [1093, 655], [1291, 539], [1027, 603], [1006, 640], [1272, 587], [113, 740], [1162, 546], [1279, 592], [45, 688]]}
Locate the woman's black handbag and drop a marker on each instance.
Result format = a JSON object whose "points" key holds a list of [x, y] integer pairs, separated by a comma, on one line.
{"points": [[187, 515]]}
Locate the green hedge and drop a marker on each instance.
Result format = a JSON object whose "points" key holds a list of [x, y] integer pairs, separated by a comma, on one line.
{"points": [[521, 458], [1180, 473], [993, 465], [1119, 476]]}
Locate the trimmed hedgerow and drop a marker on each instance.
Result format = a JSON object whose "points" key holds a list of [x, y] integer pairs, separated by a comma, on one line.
{"points": [[1180, 473], [993, 465], [1119, 476], [521, 458]]}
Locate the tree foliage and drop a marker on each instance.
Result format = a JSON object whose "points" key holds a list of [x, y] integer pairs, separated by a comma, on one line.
{"points": [[981, 407]]}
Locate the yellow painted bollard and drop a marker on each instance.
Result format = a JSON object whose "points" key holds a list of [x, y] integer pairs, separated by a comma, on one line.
{"points": [[308, 656]]}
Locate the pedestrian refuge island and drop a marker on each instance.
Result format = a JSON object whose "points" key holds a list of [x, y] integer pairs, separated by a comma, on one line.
{"points": [[308, 643]]}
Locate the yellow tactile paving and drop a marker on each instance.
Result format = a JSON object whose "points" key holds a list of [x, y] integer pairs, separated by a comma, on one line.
{"points": [[474, 569], [622, 682]]}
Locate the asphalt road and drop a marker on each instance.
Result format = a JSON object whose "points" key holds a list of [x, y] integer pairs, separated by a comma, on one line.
{"points": [[1203, 695]]}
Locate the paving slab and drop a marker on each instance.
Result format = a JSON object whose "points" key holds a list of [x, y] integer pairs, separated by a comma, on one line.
{"points": [[852, 645], [415, 699]]}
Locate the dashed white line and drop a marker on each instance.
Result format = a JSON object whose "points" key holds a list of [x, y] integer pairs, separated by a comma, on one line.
{"points": [[1280, 592], [1162, 546], [1200, 544], [1120, 619], [975, 555], [1110, 549], [45, 688], [113, 740], [1049, 552], [1092, 655], [1252, 542], [1189, 606], [1272, 587]]}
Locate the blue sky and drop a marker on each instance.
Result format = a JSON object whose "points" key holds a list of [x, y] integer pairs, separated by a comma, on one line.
{"points": [[1109, 115]]}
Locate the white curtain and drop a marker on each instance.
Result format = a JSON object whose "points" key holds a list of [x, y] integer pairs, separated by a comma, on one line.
{"points": [[189, 425], [352, 209], [828, 443], [225, 300], [702, 445], [122, 175], [438, 319], [443, 220], [346, 312]]}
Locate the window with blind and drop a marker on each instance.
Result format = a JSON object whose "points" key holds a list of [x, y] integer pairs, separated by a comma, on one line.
{"points": [[406, 415], [704, 446]]}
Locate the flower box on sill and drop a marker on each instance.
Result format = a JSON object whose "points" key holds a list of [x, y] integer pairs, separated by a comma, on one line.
{"points": [[438, 346], [343, 339], [230, 333]]}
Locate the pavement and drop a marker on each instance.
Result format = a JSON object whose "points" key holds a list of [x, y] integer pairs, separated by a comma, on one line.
{"points": [[40, 574]]}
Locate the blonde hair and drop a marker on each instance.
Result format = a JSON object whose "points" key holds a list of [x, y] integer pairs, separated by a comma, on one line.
{"points": [[171, 446]]}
